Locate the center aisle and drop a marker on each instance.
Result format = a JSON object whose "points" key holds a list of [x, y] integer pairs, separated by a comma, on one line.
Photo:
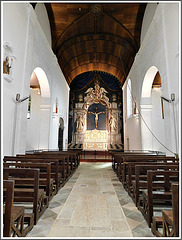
{"points": [[93, 203]]}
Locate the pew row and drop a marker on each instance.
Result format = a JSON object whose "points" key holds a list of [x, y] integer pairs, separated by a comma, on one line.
{"points": [[45, 180], [117, 156], [136, 179], [167, 225], [28, 193], [16, 222], [158, 194], [123, 166], [57, 172]]}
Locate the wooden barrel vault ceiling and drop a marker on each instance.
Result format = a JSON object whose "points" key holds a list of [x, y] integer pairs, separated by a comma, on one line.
{"points": [[95, 37]]}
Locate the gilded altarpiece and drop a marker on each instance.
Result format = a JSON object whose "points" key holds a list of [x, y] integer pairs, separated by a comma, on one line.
{"points": [[96, 118]]}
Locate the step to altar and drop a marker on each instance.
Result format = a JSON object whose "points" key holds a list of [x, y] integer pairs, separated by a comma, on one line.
{"points": [[95, 156], [112, 147]]}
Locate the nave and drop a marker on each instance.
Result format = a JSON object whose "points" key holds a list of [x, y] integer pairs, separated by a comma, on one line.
{"points": [[93, 203], [83, 77]]}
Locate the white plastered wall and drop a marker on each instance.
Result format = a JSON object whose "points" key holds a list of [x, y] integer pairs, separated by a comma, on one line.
{"points": [[21, 29], [159, 48], [42, 17]]}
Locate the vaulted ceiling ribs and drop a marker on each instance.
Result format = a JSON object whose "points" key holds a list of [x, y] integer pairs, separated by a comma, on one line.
{"points": [[102, 37]]}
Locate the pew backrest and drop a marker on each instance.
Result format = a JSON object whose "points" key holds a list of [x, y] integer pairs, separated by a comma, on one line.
{"points": [[8, 186]]}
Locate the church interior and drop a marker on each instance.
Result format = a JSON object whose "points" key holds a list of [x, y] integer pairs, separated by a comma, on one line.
{"points": [[91, 119]]}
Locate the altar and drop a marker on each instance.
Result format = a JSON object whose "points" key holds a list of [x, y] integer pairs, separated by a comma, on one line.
{"points": [[96, 118], [95, 140]]}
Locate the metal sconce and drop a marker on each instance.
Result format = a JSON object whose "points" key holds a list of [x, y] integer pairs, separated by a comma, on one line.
{"points": [[18, 100], [167, 100]]}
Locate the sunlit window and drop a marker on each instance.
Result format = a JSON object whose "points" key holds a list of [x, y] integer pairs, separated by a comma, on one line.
{"points": [[129, 99]]}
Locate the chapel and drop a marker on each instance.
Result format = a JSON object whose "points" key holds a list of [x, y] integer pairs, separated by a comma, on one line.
{"points": [[91, 119]]}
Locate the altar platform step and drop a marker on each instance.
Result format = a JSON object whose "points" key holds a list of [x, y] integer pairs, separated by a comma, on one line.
{"points": [[95, 156], [72, 146], [115, 147], [110, 147]]}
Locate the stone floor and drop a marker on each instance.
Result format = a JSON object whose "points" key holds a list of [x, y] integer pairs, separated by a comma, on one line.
{"points": [[92, 204]]}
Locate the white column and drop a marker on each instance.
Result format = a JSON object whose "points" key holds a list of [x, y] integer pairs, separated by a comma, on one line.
{"points": [[146, 124], [44, 127]]}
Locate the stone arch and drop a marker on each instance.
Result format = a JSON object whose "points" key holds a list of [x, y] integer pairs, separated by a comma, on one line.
{"points": [[39, 123]]}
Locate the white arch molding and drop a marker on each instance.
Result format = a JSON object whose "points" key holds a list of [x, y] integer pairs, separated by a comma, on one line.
{"points": [[147, 82], [150, 107], [38, 126]]}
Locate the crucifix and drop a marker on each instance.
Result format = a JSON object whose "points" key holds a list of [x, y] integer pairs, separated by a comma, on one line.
{"points": [[96, 116]]}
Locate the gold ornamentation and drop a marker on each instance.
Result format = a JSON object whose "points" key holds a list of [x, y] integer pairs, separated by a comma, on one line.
{"points": [[96, 8]]}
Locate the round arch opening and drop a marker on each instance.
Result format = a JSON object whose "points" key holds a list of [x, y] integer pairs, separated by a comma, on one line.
{"points": [[38, 118], [152, 111]]}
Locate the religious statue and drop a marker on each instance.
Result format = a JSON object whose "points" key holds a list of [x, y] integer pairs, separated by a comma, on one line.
{"points": [[96, 116], [113, 123], [114, 98], [90, 95], [80, 97], [103, 95], [79, 123], [6, 66], [96, 95]]}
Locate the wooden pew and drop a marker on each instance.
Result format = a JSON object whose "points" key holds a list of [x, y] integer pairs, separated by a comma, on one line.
{"points": [[70, 159], [16, 221], [27, 193], [128, 173], [122, 168], [74, 156], [64, 167], [116, 156], [170, 218], [45, 180], [13, 217], [139, 182], [154, 196], [167, 225], [57, 174]]}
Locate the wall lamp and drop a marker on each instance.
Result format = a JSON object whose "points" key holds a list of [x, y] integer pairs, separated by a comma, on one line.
{"points": [[168, 100], [18, 100]]}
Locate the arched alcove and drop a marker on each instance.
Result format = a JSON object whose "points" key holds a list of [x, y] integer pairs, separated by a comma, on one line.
{"points": [[60, 134], [37, 135], [151, 111], [147, 82]]}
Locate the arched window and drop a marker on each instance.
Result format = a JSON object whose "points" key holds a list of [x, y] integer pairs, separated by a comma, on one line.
{"points": [[129, 100]]}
